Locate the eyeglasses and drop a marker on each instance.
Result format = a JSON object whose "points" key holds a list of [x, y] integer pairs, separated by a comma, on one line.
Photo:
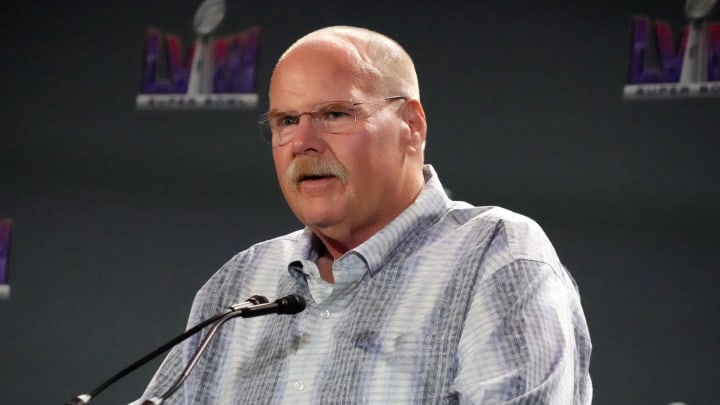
{"points": [[332, 117]]}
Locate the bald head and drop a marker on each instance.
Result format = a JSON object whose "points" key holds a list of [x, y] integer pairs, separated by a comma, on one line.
{"points": [[376, 61]]}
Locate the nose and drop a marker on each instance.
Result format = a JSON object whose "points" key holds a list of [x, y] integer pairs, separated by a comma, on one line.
{"points": [[305, 120], [306, 135]]}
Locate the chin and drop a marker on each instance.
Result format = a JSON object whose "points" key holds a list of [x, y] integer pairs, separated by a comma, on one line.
{"points": [[319, 222], [319, 217]]}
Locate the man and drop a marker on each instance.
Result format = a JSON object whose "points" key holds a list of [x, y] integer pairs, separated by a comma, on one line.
{"points": [[411, 297]]}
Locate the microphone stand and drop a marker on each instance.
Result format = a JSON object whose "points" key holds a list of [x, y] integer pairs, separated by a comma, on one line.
{"points": [[193, 360], [291, 304], [84, 399]]}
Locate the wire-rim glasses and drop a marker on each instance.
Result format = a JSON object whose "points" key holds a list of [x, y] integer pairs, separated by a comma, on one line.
{"points": [[332, 117]]}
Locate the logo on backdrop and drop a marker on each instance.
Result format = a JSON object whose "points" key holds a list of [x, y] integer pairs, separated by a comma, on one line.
{"points": [[5, 229], [689, 69], [215, 73]]}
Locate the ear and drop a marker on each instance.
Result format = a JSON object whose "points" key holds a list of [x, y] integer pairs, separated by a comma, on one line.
{"points": [[415, 119]]}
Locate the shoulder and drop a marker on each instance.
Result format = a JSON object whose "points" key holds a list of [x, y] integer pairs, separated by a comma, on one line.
{"points": [[521, 233], [497, 237], [259, 253], [279, 246], [525, 238]]}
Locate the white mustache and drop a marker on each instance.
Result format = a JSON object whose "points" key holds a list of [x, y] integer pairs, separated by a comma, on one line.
{"points": [[303, 167]]}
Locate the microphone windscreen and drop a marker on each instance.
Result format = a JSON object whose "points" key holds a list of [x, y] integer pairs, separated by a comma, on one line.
{"points": [[291, 304]]}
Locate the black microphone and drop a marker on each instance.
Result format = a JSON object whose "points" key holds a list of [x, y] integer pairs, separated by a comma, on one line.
{"points": [[291, 304], [84, 399]]}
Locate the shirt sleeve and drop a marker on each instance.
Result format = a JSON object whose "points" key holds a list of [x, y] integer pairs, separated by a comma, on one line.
{"points": [[525, 340]]}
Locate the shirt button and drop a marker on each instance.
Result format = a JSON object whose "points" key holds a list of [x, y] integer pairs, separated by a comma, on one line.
{"points": [[298, 385], [325, 314]]}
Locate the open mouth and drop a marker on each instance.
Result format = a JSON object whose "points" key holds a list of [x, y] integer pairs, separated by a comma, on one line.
{"points": [[316, 177]]}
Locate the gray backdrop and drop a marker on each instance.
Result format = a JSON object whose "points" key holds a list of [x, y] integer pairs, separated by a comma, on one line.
{"points": [[120, 215]]}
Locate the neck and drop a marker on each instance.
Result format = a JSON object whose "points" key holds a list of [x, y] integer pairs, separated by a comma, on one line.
{"points": [[331, 248], [325, 261]]}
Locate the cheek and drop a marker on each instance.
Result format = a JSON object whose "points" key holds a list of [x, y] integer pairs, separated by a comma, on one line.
{"points": [[378, 150], [358, 154], [281, 165], [368, 160]]}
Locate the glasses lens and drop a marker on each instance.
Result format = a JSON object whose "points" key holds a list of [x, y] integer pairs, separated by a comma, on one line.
{"points": [[265, 128], [335, 117]]}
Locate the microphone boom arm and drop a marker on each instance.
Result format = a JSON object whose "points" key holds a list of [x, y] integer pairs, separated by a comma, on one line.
{"points": [[195, 357], [84, 399], [290, 304]]}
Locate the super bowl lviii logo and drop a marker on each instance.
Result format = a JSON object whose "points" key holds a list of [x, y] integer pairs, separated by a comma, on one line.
{"points": [[5, 228], [216, 72], [689, 69]]}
